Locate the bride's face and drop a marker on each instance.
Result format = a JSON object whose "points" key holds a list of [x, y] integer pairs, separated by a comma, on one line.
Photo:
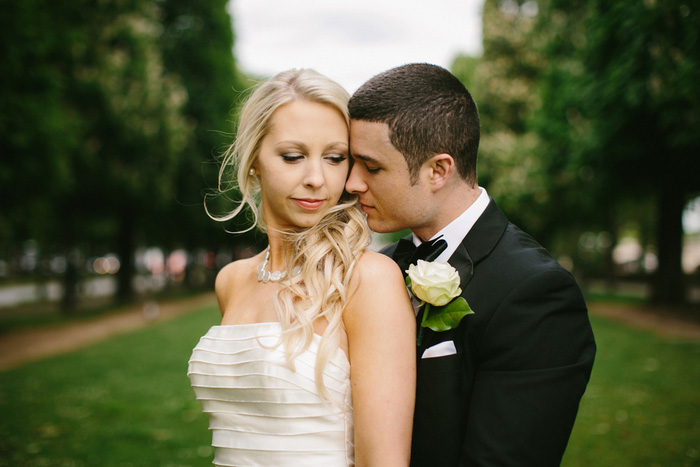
{"points": [[302, 164]]}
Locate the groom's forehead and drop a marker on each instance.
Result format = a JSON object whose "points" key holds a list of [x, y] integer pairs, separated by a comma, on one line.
{"points": [[364, 130], [380, 158], [370, 142]]}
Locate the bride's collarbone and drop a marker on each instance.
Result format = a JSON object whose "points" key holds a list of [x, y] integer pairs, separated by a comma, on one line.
{"points": [[247, 316], [248, 307]]}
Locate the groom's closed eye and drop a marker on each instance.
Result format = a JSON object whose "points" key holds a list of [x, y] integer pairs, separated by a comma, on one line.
{"points": [[371, 165]]}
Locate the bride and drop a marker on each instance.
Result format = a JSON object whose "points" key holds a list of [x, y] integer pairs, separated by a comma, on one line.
{"points": [[314, 360]]}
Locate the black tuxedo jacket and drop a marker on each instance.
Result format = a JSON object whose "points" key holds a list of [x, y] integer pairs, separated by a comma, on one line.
{"points": [[510, 395]]}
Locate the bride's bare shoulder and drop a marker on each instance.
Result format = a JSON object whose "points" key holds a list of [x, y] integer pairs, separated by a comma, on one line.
{"points": [[371, 261], [235, 273], [377, 271], [378, 294]]}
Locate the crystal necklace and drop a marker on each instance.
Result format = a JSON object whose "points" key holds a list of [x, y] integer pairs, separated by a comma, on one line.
{"points": [[267, 276]]}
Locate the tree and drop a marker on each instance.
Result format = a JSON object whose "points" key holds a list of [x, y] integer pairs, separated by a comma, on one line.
{"points": [[503, 83], [197, 44], [110, 131], [633, 108], [589, 120], [38, 134]]}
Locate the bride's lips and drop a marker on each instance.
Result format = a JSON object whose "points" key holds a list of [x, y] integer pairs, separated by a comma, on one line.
{"points": [[310, 204]]}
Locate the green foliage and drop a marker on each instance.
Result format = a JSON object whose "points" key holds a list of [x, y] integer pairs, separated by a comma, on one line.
{"points": [[109, 117], [37, 134], [94, 130], [620, 126], [503, 83], [588, 109], [625, 91], [197, 44]]}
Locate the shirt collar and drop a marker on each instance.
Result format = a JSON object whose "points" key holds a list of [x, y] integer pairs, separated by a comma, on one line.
{"points": [[454, 232]]}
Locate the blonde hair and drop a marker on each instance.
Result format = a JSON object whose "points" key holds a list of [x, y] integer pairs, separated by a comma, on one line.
{"points": [[326, 252], [254, 124]]}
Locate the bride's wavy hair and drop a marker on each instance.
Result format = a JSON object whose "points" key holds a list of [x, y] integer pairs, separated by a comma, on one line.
{"points": [[326, 252]]}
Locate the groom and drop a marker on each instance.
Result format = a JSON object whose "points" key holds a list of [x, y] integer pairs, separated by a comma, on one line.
{"points": [[502, 388]]}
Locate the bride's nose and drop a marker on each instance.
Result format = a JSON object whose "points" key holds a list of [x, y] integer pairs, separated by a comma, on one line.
{"points": [[313, 178]]}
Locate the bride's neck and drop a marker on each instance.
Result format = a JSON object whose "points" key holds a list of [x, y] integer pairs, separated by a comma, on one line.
{"points": [[278, 251]]}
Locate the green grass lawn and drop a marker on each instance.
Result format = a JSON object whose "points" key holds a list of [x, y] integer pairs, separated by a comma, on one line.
{"points": [[642, 405], [127, 402], [123, 402]]}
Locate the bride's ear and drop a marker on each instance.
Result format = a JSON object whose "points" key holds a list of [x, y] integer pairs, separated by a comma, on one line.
{"points": [[440, 168]]}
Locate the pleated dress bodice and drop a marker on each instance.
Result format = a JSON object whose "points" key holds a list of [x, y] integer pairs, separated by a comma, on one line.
{"points": [[264, 413]]}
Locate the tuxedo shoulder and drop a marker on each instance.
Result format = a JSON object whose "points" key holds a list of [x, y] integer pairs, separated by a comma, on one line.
{"points": [[389, 249], [518, 259], [528, 269], [526, 251]]}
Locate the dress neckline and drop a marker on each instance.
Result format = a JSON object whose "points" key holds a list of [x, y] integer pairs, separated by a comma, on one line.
{"points": [[277, 324], [247, 324]]}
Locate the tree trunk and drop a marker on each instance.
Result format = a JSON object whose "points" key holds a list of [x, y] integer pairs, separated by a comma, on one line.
{"points": [[669, 282], [125, 249], [71, 281], [611, 278]]}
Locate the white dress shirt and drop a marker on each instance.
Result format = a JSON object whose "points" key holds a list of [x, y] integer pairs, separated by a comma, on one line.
{"points": [[454, 232]]}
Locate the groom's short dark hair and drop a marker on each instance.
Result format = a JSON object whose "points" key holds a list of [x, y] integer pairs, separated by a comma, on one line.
{"points": [[428, 111]]}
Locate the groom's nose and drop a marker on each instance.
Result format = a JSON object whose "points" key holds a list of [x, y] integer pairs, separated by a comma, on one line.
{"points": [[355, 184]]}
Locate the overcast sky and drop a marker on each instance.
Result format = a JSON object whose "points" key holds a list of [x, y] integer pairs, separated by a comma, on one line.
{"points": [[352, 40]]}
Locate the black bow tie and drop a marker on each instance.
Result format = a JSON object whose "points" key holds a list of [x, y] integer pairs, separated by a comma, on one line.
{"points": [[407, 253]]}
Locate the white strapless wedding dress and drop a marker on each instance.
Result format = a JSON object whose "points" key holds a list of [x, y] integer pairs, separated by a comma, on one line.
{"points": [[262, 413]]}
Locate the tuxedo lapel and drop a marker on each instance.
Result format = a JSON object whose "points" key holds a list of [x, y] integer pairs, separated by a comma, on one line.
{"points": [[462, 262], [444, 384], [479, 242], [402, 255]]}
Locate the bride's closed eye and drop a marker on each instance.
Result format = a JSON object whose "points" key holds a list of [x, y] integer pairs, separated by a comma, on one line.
{"points": [[291, 156], [336, 158]]}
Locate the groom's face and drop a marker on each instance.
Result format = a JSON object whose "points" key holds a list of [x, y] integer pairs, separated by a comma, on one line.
{"points": [[381, 178]]}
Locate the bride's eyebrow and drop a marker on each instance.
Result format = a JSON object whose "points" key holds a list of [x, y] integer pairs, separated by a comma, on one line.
{"points": [[338, 144], [291, 143]]}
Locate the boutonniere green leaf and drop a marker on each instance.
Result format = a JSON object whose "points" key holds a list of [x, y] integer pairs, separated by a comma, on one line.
{"points": [[437, 286], [447, 317]]}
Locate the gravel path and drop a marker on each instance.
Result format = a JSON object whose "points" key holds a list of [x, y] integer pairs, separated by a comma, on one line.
{"points": [[28, 345], [34, 344], [663, 322]]}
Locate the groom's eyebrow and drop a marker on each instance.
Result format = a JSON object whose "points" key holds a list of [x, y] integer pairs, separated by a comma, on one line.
{"points": [[364, 158]]}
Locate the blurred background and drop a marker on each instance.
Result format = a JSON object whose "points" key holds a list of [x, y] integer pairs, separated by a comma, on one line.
{"points": [[113, 113]]}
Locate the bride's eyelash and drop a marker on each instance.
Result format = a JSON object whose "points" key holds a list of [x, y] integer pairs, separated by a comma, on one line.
{"points": [[337, 159], [291, 157]]}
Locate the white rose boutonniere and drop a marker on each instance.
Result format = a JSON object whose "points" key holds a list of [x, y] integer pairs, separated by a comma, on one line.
{"points": [[437, 286]]}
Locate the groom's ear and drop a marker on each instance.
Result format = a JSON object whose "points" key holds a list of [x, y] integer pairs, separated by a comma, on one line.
{"points": [[439, 169]]}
